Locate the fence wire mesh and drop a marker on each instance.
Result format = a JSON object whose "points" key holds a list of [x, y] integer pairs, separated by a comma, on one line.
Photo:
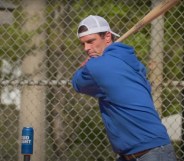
{"points": [[39, 52]]}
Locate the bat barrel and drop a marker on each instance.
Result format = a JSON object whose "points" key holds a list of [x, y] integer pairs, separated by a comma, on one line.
{"points": [[164, 6]]}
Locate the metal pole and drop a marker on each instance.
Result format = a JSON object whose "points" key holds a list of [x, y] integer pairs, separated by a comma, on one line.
{"points": [[27, 157]]}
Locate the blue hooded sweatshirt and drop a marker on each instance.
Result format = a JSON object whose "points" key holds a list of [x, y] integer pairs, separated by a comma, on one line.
{"points": [[118, 80]]}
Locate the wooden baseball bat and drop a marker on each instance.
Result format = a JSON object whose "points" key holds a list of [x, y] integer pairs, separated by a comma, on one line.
{"points": [[164, 6]]}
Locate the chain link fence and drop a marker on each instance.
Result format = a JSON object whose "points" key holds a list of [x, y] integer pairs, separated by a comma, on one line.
{"points": [[39, 52]]}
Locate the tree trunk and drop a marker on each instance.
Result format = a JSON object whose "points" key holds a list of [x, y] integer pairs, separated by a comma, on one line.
{"points": [[156, 58], [33, 97]]}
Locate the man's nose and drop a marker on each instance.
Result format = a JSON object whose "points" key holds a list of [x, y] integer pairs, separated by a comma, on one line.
{"points": [[86, 47]]}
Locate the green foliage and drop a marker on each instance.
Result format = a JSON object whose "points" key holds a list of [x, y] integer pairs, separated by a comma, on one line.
{"points": [[92, 141], [174, 45], [8, 137], [14, 38], [171, 104], [13, 41], [173, 60]]}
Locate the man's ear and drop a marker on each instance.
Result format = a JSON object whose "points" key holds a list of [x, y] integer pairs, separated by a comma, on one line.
{"points": [[108, 37]]}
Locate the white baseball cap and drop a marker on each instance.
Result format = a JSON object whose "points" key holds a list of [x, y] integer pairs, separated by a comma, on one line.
{"points": [[95, 24]]}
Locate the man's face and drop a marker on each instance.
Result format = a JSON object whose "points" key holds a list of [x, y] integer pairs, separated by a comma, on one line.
{"points": [[94, 44]]}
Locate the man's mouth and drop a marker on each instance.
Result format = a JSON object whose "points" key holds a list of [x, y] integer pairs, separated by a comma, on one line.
{"points": [[93, 54]]}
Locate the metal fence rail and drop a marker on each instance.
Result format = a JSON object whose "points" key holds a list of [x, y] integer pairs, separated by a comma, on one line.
{"points": [[39, 52]]}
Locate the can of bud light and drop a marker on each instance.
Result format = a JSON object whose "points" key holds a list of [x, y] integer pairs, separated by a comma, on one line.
{"points": [[27, 140]]}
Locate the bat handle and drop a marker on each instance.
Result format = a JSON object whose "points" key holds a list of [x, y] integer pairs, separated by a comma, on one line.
{"points": [[27, 157]]}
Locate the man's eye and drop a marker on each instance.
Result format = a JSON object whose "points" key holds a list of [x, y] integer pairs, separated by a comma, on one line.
{"points": [[90, 41], [82, 44]]}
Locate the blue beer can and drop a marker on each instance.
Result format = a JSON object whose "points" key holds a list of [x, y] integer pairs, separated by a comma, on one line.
{"points": [[27, 140]]}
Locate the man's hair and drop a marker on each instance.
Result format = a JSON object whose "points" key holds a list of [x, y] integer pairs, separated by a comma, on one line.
{"points": [[102, 34]]}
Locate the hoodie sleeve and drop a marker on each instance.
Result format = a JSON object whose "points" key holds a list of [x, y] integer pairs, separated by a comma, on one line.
{"points": [[83, 82]]}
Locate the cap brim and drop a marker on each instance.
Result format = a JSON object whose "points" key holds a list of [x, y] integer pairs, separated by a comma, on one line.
{"points": [[115, 34]]}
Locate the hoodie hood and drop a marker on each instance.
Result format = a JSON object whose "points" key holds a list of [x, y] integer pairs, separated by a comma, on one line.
{"points": [[126, 54]]}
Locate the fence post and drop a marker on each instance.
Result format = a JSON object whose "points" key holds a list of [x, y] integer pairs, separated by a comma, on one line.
{"points": [[32, 111], [156, 58]]}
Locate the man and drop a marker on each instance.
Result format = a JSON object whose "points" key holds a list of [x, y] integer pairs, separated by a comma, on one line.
{"points": [[113, 74]]}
